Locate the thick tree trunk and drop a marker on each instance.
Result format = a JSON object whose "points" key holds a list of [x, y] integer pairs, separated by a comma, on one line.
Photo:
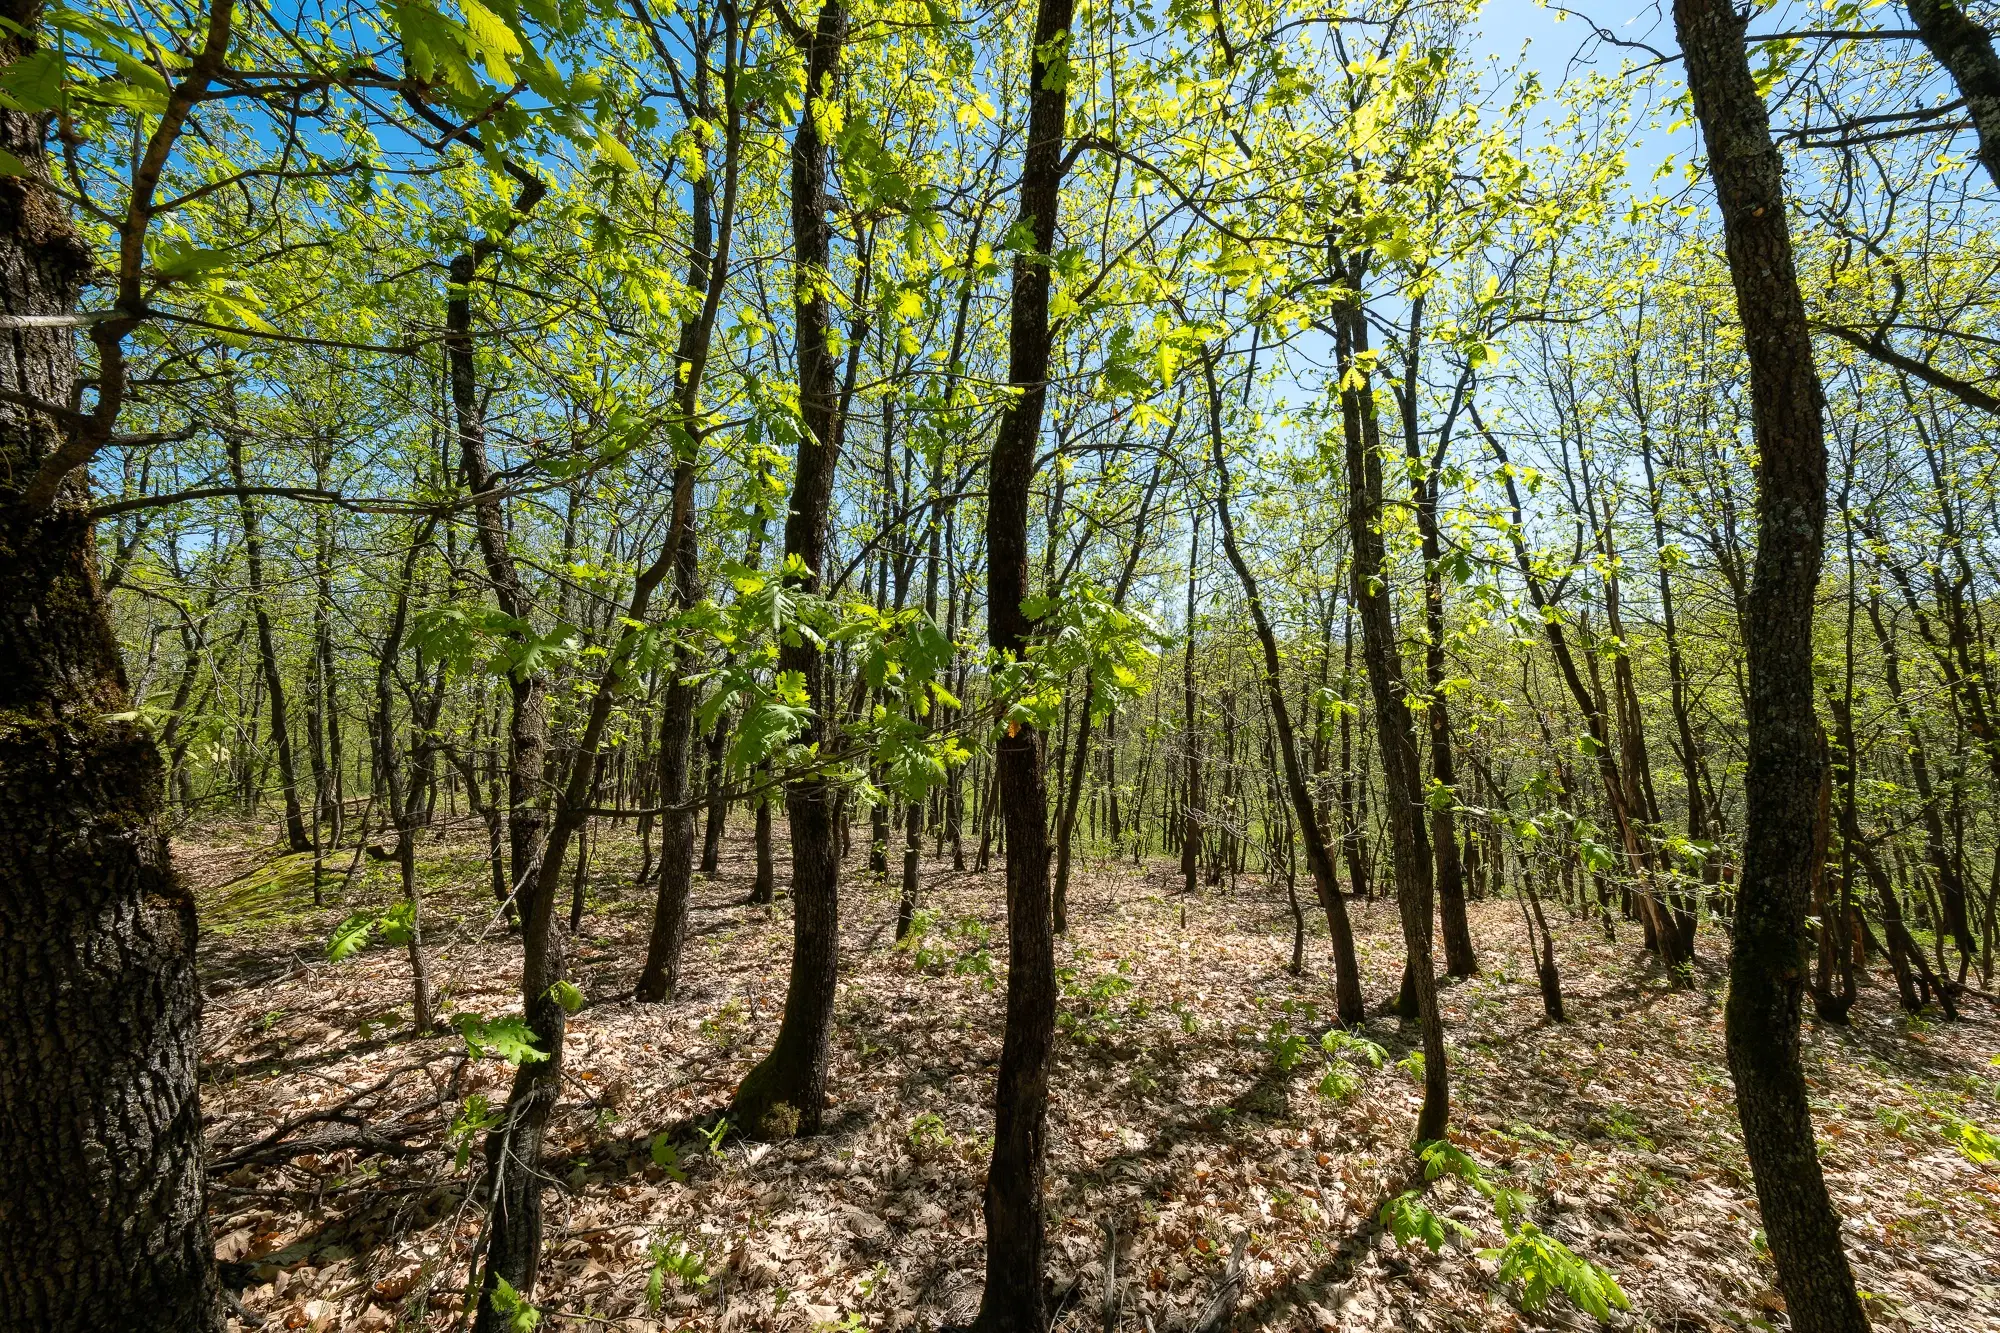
{"points": [[794, 1074], [1768, 960], [102, 1210]]}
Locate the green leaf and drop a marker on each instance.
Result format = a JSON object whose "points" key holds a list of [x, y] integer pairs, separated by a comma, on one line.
{"points": [[399, 924], [513, 1307], [566, 995], [613, 150], [1409, 1219], [491, 39], [33, 83], [509, 1039], [350, 937], [1545, 1266]]}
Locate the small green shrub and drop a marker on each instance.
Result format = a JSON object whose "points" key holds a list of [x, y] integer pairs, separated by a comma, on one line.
{"points": [[927, 1134], [1538, 1261], [679, 1260]]}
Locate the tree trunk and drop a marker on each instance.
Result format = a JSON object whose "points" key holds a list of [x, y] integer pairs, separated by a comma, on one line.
{"points": [[103, 1219], [1066, 826], [794, 1074], [1015, 1299], [1349, 1005], [1190, 737], [718, 805], [764, 888], [1767, 963], [1965, 49], [1395, 728], [1460, 959], [267, 649], [527, 736], [659, 979]]}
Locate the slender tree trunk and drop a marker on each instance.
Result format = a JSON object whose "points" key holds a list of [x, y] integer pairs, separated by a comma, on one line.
{"points": [[1349, 1005], [1461, 960], [1767, 965], [1191, 812], [794, 1074], [527, 736], [1951, 885], [718, 806], [388, 759], [659, 979], [1073, 798], [1395, 727], [708, 272], [764, 888], [1677, 678], [267, 649], [1015, 1298]]}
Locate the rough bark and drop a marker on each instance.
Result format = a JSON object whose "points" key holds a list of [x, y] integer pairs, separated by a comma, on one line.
{"points": [[1965, 49], [102, 1209], [1768, 960]]}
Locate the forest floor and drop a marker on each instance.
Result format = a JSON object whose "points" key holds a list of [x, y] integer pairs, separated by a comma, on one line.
{"points": [[1173, 1117]]}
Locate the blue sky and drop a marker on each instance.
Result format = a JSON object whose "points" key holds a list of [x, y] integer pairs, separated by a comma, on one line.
{"points": [[1559, 46]]}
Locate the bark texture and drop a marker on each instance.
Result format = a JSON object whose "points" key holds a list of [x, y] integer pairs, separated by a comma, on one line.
{"points": [[1769, 960], [1395, 727], [1965, 49], [103, 1221]]}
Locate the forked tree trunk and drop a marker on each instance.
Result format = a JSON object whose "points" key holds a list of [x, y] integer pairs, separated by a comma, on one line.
{"points": [[102, 1207], [1768, 957], [1395, 727]]}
